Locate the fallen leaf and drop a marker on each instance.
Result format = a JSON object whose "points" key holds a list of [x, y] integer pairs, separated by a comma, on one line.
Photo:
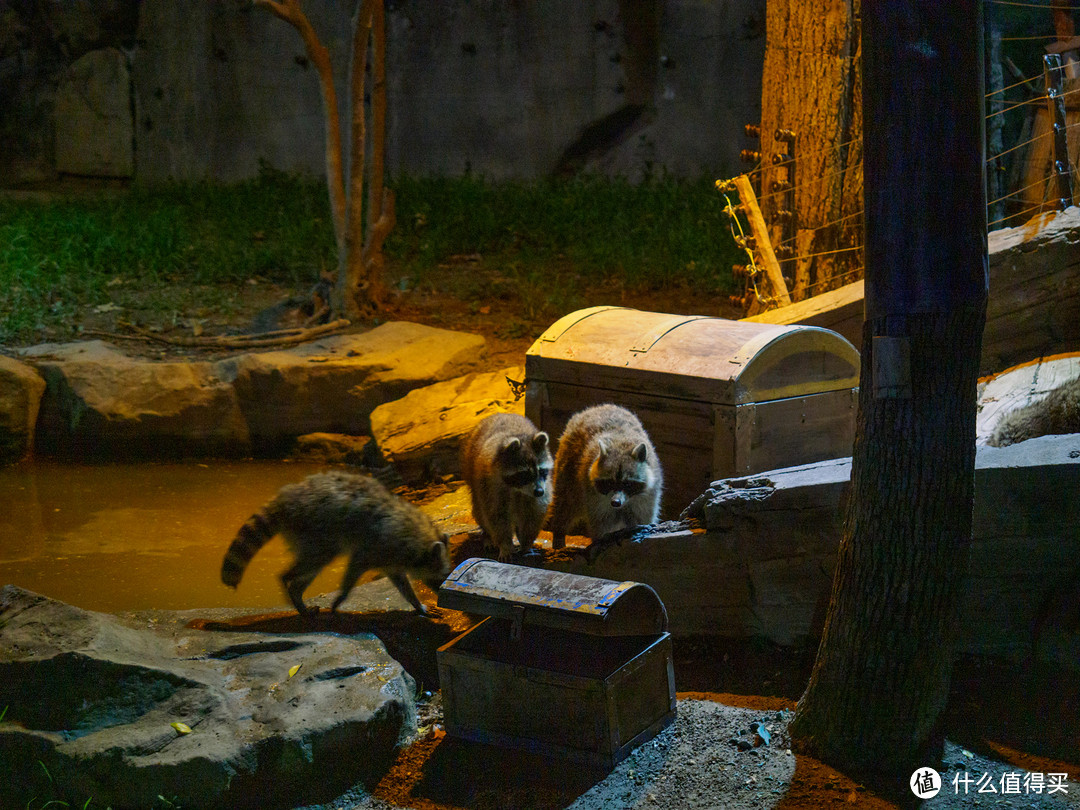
{"points": [[485, 310], [294, 669], [106, 308], [182, 728]]}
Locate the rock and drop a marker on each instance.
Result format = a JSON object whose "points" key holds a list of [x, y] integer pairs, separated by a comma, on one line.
{"points": [[333, 385], [94, 126], [336, 448], [420, 433], [101, 402], [21, 389], [756, 557], [93, 699]]}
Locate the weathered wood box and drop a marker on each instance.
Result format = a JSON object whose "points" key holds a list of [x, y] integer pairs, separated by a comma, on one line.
{"points": [[564, 665], [719, 398]]}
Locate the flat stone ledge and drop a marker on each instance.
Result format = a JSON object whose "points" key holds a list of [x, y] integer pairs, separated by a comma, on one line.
{"points": [[105, 694]]}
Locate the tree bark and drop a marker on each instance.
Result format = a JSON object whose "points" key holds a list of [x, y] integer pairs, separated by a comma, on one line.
{"points": [[882, 673], [350, 269], [810, 86]]}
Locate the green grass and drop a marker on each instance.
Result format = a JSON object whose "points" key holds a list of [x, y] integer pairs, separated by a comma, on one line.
{"points": [[543, 239], [660, 232]]}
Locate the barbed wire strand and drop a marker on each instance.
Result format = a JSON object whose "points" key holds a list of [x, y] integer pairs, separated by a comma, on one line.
{"points": [[1037, 207], [1046, 134], [1021, 4], [1036, 100], [821, 227], [1014, 85], [1019, 191]]}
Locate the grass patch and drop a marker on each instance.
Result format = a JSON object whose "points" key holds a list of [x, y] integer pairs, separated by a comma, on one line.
{"points": [[176, 248], [660, 232]]}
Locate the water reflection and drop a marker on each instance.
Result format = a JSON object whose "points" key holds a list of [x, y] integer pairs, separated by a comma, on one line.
{"points": [[137, 536]]}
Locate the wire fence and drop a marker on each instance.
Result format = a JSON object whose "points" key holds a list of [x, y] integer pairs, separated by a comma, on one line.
{"points": [[1024, 183]]}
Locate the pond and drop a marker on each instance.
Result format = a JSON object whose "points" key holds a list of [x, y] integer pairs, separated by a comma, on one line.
{"points": [[142, 536]]}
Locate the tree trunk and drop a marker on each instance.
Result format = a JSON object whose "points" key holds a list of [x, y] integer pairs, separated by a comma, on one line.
{"points": [[882, 673], [810, 86], [351, 264]]}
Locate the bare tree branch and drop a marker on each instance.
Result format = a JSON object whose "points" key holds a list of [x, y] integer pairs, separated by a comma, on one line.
{"points": [[290, 11]]}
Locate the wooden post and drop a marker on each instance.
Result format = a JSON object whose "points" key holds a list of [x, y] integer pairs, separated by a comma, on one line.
{"points": [[1055, 100], [881, 678], [761, 240]]}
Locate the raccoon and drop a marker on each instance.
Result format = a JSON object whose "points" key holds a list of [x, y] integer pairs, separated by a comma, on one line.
{"points": [[297, 312], [607, 475], [334, 513], [1057, 412], [506, 462]]}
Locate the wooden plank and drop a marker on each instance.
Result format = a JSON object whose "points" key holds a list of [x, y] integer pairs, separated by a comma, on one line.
{"points": [[840, 310], [763, 244]]}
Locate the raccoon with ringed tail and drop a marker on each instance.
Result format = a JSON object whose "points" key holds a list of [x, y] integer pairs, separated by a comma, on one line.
{"points": [[507, 464], [335, 513], [607, 475]]}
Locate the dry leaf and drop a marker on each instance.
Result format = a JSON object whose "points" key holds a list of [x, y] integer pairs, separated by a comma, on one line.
{"points": [[182, 728], [294, 669]]}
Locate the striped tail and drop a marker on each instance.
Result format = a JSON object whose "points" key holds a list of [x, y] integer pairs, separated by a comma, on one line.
{"points": [[252, 536]]}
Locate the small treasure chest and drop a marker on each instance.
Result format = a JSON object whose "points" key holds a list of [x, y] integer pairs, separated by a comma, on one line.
{"points": [[718, 398], [564, 665]]}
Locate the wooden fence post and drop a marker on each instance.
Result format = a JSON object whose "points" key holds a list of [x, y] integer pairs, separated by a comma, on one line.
{"points": [[1055, 99]]}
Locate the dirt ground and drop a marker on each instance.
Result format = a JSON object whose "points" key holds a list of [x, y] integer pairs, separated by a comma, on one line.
{"points": [[1001, 719]]}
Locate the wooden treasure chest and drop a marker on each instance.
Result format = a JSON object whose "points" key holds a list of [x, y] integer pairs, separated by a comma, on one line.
{"points": [[563, 665], [719, 398]]}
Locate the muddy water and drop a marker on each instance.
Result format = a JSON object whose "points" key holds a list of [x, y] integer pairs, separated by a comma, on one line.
{"points": [[140, 536]]}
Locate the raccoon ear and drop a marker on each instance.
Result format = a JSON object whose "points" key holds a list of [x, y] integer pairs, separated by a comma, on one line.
{"points": [[639, 452], [540, 441], [602, 446], [511, 445], [438, 549]]}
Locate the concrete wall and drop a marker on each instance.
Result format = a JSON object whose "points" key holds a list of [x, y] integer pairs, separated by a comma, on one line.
{"points": [[500, 88]]}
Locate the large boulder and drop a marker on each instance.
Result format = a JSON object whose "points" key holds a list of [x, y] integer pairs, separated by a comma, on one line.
{"points": [[21, 389], [420, 434], [333, 385], [99, 401], [91, 702]]}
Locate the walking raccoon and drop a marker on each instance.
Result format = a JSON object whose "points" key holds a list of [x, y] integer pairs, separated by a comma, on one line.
{"points": [[506, 462], [297, 312], [328, 514], [607, 475], [1057, 412]]}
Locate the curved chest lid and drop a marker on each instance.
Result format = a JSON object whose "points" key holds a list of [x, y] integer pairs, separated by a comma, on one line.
{"points": [[538, 596], [694, 356]]}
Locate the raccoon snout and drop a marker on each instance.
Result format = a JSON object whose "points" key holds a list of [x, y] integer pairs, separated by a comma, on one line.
{"points": [[617, 500], [538, 491]]}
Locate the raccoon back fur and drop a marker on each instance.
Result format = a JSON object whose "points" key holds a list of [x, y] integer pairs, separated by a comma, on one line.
{"points": [[1057, 412], [297, 312], [507, 464], [329, 514], [607, 475]]}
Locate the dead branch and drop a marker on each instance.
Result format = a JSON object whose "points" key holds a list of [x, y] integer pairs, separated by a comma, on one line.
{"points": [[280, 337]]}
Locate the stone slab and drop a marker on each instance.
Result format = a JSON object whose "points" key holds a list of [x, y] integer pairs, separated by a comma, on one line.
{"points": [[421, 433], [94, 698], [333, 385], [21, 389]]}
